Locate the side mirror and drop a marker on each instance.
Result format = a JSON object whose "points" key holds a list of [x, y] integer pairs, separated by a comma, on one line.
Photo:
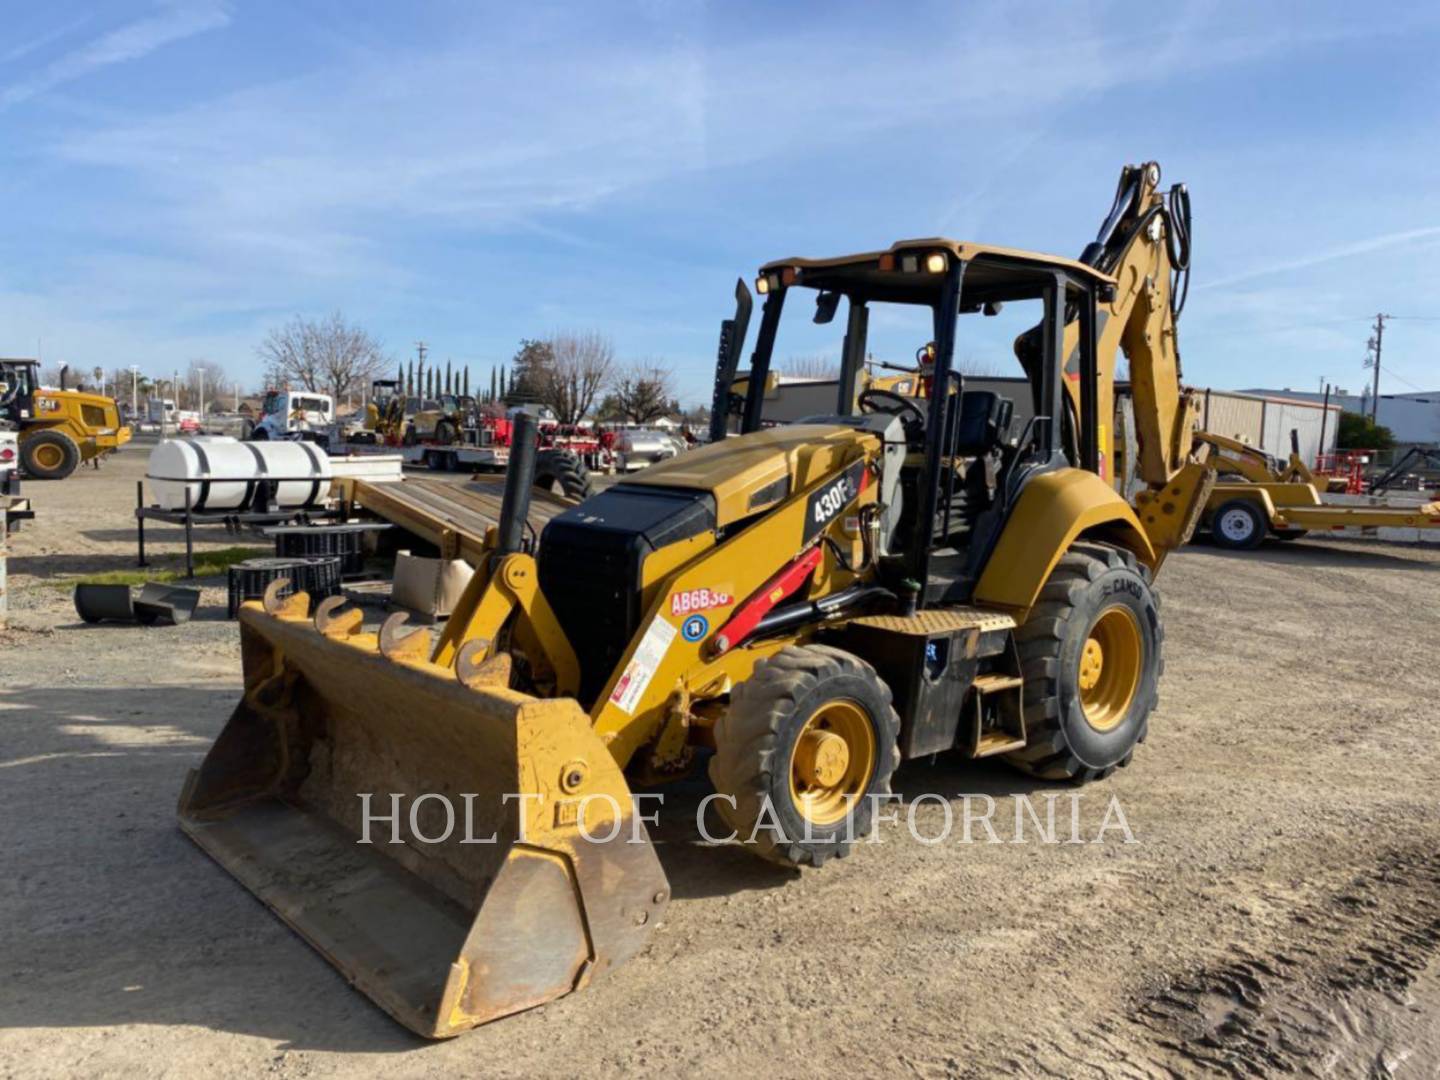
{"points": [[993, 307], [825, 305]]}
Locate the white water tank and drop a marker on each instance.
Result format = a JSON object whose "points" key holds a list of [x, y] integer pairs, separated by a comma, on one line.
{"points": [[224, 474]]}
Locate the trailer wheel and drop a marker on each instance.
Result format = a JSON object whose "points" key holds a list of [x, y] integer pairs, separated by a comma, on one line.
{"points": [[1238, 525], [1091, 656], [49, 455], [561, 472], [803, 754]]}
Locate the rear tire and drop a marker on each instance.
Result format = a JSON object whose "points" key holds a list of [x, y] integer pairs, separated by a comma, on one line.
{"points": [[1091, 656], [445, 433], [561, 472], [1238, 525], [49, 455], [778, 754]]}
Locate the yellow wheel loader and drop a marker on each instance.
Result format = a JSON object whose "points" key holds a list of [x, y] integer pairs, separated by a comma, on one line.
{"points": [[800, 608], [58, 428]]}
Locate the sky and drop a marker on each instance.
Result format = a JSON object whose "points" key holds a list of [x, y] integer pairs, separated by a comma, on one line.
{"points": [[178, 178]]}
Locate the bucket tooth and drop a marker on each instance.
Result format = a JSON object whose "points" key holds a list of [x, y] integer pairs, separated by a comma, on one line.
{"points": [[294, 607], [334, 623], [476, 671], [397, 646], [328, 793]]}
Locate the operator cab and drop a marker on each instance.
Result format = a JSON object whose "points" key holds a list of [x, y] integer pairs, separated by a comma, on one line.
{"points": [[954, 463], [18, 382]]}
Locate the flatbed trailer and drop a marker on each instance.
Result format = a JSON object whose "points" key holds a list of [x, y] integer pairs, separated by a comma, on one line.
{"points": [[1240, 515], [454, 517], [455, 457]]}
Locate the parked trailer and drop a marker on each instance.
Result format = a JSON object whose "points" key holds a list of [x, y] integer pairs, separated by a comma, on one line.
{"points": [[1241, 515]]}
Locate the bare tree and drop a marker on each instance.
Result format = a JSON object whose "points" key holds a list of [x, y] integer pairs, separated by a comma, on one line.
{"points": [[578, 366], [811, 367], [643, 392], [326, 355], [207, 377]]}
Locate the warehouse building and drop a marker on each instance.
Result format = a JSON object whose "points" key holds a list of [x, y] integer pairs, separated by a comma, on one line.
{"points": [[1414, 419]]}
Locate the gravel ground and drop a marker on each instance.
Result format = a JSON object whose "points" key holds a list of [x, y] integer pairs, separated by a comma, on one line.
{"points": [[1278, 911]]}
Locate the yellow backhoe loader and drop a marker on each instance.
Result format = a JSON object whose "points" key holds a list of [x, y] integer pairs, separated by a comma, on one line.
{"points": [[1256, 496], [450, 821]]}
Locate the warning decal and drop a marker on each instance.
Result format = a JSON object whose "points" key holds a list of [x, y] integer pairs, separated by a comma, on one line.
{"points": [[643, 665]]}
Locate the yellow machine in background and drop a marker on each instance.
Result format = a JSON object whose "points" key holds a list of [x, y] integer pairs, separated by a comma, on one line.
{"points": [[799, 608], [58, 428], [1257, 497]]}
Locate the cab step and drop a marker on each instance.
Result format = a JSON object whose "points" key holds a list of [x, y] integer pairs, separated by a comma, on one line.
{"points": [[994, 721]]}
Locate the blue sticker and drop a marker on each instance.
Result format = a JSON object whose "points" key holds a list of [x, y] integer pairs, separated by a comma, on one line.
{"points": [[695, 628]]}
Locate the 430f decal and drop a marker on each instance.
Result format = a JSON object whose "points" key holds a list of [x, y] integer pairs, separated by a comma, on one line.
{"points": [[830, 500]]}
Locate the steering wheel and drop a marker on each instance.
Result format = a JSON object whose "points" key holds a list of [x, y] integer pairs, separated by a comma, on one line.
{"points": [[887, 401]]}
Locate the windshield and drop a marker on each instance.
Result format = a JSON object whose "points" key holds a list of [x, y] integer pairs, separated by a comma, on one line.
{"points": [[889, 312]]}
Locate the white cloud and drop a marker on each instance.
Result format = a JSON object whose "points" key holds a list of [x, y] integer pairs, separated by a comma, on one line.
{"points": [[1344, 251], [129, 42]]}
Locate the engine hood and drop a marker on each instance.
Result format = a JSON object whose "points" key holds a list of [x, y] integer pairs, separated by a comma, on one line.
{"points": [[748, 473]]}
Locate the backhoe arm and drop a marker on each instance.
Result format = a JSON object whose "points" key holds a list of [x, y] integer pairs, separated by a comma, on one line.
{"points": [[1144, 244]]}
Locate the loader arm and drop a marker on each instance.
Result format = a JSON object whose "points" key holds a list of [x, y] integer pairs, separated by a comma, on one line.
{"points": [[1242, 459]]}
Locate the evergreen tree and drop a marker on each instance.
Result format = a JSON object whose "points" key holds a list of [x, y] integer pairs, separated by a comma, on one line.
{"points": [[465, 382], [526, 378], [492, 383]]}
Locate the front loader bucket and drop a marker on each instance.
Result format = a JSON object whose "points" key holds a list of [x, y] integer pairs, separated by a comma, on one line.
{"points": [[513, 907]]}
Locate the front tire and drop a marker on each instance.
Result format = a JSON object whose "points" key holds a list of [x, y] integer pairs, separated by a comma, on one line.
{"points": [[805, 750], [1238, 525], [1091, 656], [49, 455]]}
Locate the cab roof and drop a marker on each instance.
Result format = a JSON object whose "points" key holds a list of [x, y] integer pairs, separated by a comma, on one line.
{"points": [[988, 267]]}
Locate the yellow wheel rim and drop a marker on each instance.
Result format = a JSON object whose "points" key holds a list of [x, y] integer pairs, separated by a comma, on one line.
{"points": [[1110, 663], [832, 761], [49, 456]]}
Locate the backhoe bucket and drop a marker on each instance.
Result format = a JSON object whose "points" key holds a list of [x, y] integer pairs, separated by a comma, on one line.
{"points": [[330, 793]]}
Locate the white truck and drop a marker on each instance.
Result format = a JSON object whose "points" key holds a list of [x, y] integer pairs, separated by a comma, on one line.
{"points": [[295, 414], [160, 411]]}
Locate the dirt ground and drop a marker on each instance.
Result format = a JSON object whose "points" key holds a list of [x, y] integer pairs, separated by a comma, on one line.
{"points": [[1279, 910]]}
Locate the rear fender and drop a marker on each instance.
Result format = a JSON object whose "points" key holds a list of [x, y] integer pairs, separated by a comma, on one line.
{"points": [[1054, 510]]}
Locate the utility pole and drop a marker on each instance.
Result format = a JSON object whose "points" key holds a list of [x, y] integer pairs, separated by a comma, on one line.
{"points": [[421, 349], [135, 395], [1373, 360]]}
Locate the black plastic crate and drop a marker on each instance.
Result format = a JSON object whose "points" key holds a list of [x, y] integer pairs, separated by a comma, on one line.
{"points": [[345, 542], [320, 577]]}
